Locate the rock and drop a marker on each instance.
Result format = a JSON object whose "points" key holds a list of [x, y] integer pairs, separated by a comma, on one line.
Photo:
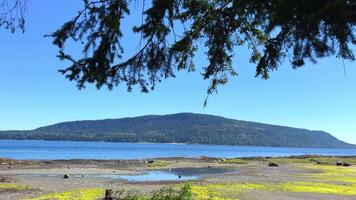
{"points": [[209, 166], [346, 164], [2, 179], [150, 161], [66, 176], [272, 164], [338, 163]]}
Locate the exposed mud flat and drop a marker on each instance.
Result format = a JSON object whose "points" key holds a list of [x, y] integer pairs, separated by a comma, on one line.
{"points": [[308, 177]]}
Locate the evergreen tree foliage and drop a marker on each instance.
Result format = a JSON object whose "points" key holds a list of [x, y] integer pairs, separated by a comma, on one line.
{"points": [[173, 31]]}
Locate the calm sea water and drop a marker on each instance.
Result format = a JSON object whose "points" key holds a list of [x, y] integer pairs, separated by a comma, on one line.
{"points": [[51, 150]]}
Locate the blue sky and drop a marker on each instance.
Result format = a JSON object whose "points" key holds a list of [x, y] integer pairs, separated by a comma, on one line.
{"points": [[33, 93]]}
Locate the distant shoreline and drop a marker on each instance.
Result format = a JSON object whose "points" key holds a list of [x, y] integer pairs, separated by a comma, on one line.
{"points": [[305, 156], [173, 143]]}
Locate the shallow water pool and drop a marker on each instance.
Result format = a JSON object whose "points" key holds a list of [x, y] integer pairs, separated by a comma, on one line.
{"points": [[177, 174]]}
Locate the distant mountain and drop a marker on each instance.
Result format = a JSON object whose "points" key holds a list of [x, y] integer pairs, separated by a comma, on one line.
{"points": [[182, 128]]}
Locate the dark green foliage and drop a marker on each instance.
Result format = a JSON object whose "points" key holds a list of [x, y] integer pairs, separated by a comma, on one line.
{"points": [[12, 14], [172, 29], [182, 128]]}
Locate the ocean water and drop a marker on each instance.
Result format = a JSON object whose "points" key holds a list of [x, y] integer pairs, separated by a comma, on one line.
{"points": [[65, 150]]}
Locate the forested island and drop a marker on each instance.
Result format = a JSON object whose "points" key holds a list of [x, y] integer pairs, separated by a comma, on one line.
{"points": [[181, 128]]}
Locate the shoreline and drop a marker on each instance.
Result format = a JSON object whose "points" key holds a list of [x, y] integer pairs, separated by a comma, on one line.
{"points": [[182, 158], [47, 177]]}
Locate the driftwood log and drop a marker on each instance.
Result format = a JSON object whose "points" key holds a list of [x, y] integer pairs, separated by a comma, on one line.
{"points": [[109, 195]]}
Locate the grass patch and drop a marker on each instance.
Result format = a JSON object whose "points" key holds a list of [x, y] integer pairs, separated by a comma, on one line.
{"points": [[76, 194], [234, 161]]}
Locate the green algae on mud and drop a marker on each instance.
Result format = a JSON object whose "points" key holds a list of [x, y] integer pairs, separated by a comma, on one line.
{"points": [[75, 194], [324, 160], [234, 161], [232, 191], [332, 173], [323, 179], [12, 186], [159, 164]]}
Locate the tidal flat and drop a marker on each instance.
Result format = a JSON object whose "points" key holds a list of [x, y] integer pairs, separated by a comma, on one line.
{"points": [[298, 177]]}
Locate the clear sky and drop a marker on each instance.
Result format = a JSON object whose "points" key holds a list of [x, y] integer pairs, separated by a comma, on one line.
{"points": [[33, 93]]}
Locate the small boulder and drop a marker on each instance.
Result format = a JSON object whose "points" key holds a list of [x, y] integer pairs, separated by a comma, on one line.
{"points": [[272, 164], [338, 163], [346, 164], [150, 161], [66, 176]]}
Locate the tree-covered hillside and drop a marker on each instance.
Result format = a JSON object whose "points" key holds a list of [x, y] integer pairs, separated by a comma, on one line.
{"points": [[181, 128]]}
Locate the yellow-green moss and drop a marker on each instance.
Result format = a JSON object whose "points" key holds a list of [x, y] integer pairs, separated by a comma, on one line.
{"points": [[11, 186], [234, 161], [75, 194]]}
